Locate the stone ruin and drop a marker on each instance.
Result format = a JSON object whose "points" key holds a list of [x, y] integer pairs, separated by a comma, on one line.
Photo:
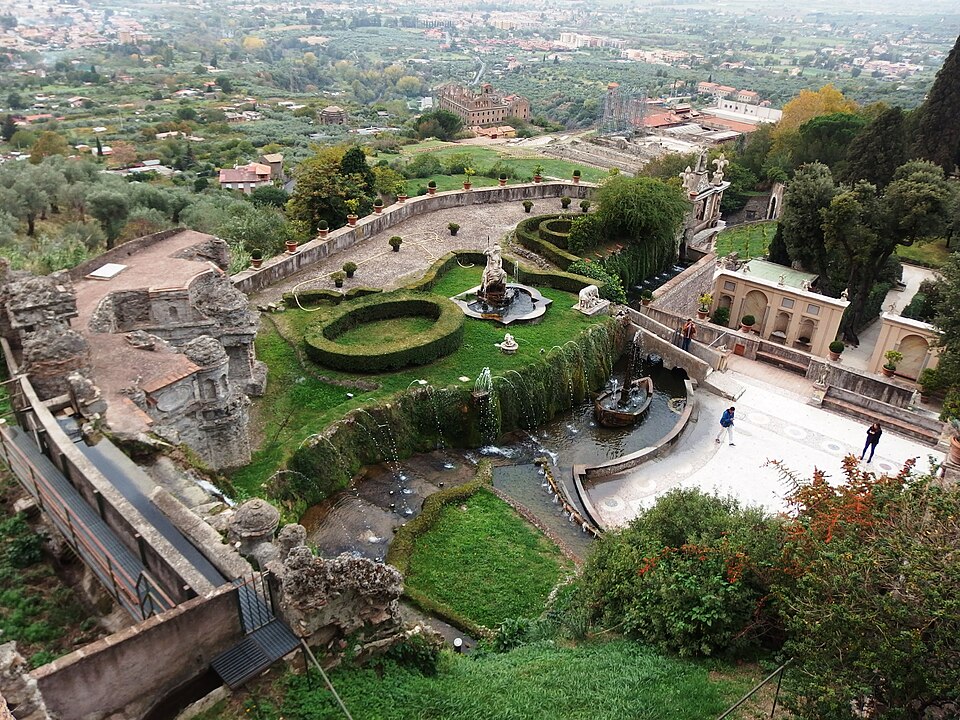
{"points": [[325, 601]]}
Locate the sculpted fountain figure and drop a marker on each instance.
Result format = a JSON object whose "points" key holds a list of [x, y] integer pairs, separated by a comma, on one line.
{"points": [[493, 285]]}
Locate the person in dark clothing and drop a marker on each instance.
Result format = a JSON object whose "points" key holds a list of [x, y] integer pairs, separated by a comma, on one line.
{"points": [[688, 332], [873, 437], [726, 424]]}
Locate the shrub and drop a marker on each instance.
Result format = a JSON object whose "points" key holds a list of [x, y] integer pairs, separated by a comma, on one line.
{"points": [[378, 202], [453, 227], [646, 294], [576, 173], [323, 225], [432, 183], [893, 357], [748, 320], [256, 254], [442, 339], [527, 205], [338, 276], [565, 202], [418, 652], [721, 316], [395, 241], [538, 169], [556, 230], [837, 347], [705, 300], [691, 574], [584, 205], [610, 286], [349, 268], [527, 234], [503, 176]]}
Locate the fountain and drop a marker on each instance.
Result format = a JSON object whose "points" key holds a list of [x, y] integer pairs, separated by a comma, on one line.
{"points": [[496, 299], [627, 406]]}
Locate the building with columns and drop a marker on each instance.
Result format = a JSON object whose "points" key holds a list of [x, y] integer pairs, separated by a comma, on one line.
{"points": [[487, 108]]}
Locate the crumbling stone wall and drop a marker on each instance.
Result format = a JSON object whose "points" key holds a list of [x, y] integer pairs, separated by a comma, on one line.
{"points": [[52, 353], [18, 687]]}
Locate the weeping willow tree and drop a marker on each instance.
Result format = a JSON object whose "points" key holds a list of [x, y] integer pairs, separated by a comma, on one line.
{"points": [[644, 215]]}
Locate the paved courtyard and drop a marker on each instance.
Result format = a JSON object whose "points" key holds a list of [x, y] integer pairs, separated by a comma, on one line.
{"points": [[772, 423]]}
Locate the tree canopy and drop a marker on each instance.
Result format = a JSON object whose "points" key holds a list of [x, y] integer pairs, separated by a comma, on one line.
{"points": [[937, 136]]}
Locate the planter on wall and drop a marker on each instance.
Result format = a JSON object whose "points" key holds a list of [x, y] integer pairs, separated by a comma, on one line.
{"points": [[431, 191], [378, 209], [255, 263], [954, 450], [401, 198], [537, 178], [467, 185], [352, 220], [291, 247], [322, 233]]}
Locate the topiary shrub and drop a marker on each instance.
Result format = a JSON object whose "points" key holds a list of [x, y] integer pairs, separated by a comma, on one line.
{"points": [[527, 234], [565, 202], [721, 316], [555, 230], [443, 338]]}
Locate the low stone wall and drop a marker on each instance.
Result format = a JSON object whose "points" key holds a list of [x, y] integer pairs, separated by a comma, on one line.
{"points": [[680, 294], [121, 252], [659, 338], [283, 266], [869, 387], [132, 669]]}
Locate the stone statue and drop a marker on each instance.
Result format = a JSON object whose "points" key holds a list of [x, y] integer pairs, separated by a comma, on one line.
{"points": [[509, 345], [589, 297], [782, 279], [845, 295], [493, 274], [806, 285], [720, 163], [822, 378]]}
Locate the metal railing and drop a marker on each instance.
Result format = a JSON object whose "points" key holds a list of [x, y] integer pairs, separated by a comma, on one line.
{"points": [[138, 593], [778, 674]]}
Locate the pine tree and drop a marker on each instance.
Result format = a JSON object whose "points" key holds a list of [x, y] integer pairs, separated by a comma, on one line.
{"points": [[880, 148], [9, 128], [937, 136]]}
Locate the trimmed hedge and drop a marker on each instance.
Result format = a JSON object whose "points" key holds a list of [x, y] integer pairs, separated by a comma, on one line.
{"points": [[556, 231], [405, 539], [528, 235], [443, 338], [311, 298]]}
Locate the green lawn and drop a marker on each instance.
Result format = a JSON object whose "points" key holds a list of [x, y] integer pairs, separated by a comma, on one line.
{"points": [[933, 254], [380, 332], [600, 681], [485, 562], [749, 241], [298, 402]]}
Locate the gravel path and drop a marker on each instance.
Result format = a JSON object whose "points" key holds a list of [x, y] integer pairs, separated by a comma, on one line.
{"points": [[425, 238]]}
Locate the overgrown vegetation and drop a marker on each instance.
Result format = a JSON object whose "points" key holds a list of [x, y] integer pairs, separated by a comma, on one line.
{"points": [[748, 241]]}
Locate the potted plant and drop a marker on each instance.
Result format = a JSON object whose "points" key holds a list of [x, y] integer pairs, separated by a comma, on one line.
{"points": [[256, 258], [836, 347], [538, 173], [401, 191], [584, 205], [378, 206], [291, 246], [453, 227], [353, 206], [527, 205], [502, 179], [747, 322], [646, 296], [323, 228], [576, 177], [721, 316], [954, 456], [338, 277], [349, 268], [892, 357], [469, 172], [705, 300], [432, 187], [565, 202], [395, 242]]}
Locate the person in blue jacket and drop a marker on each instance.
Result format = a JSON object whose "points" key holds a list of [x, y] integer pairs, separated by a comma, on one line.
{"points": [[726, 423]]}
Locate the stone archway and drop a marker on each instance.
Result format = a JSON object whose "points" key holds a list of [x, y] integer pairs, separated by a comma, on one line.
{"points": [[914, 349], [755, 303]]}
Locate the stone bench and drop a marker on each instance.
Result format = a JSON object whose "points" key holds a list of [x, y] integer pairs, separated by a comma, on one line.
{"points": [[785, 363]]}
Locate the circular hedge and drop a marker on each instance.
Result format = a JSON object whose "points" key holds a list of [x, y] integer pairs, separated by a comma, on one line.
{"points": [[556, 230], [443, 338]]}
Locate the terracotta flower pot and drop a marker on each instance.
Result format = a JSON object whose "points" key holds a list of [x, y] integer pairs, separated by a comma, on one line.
{"points": [[502, 183], [322, 233], [537, 178], [255, 263], [746, 328], [431, 191], [352, 220], [338, 283], [401, 198], [378, 209], [954, 450], [887, 372], [833, 356], [467, 185], [291, 247], [702, 314], [576, 179]]}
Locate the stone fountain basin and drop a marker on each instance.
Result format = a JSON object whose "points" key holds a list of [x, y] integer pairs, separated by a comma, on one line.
{"points": [[609, 414], [533, 309]]}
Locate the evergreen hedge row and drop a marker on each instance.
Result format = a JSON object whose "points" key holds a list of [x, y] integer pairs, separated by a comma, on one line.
{"points": [[405, 540], [311, 298], [556, 230], [443, 338], [528, 235]]}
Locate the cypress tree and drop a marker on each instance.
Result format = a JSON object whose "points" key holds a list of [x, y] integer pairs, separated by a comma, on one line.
{"points": [[938, 119], [99, 147], [9, 128], [879, 149]]}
